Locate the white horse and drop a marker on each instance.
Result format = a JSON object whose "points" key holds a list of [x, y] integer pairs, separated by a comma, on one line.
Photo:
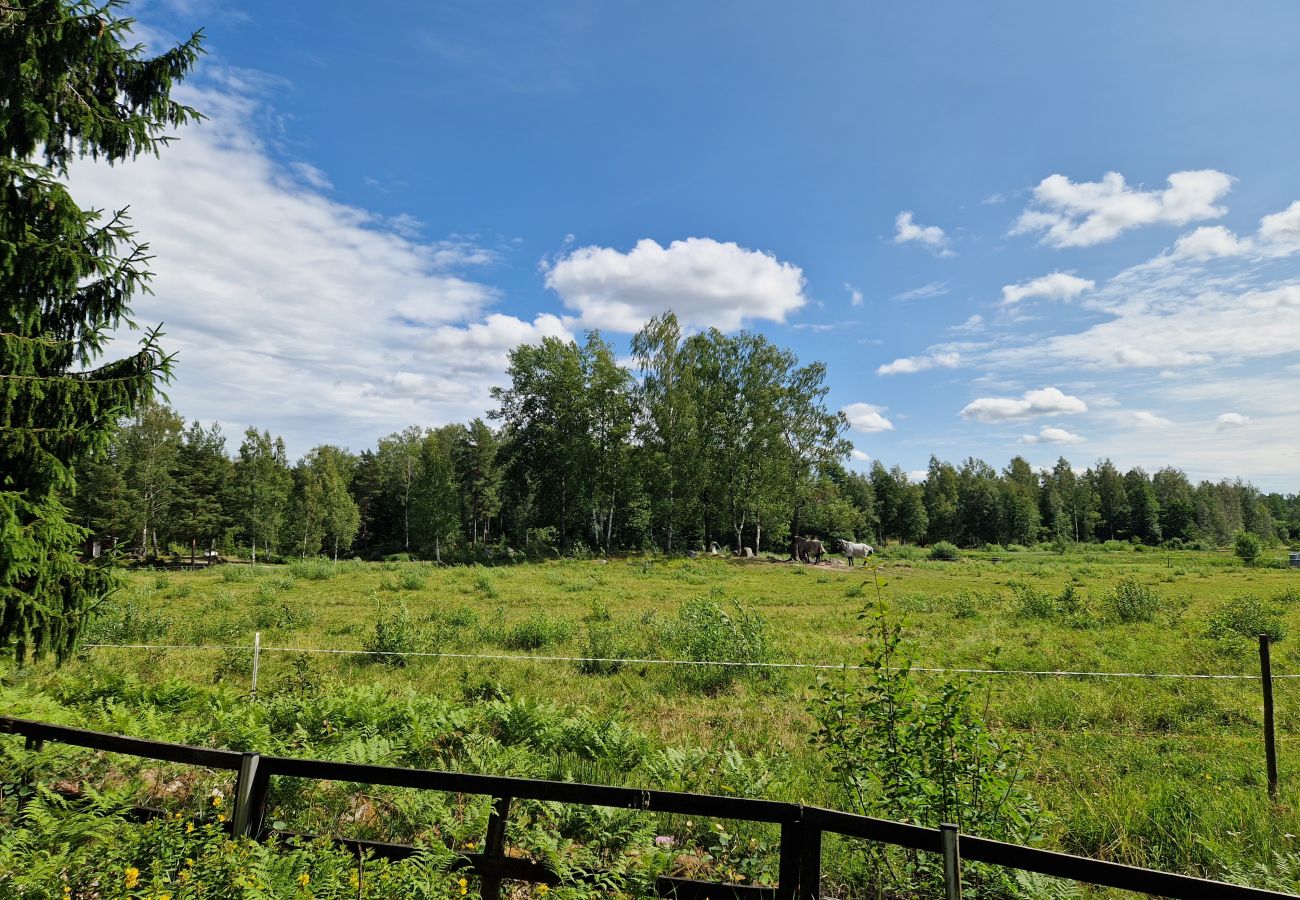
{"points": [[854, 551]]}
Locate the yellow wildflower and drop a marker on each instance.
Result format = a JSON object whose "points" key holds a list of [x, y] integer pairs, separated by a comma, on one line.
{"points": [[132, 876], [189, 827], [221, 817], [462, 882], [304, 879], [543, 889]]}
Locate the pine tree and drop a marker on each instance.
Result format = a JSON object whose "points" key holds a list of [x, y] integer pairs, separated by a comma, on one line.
{"points": [[69, 87]]}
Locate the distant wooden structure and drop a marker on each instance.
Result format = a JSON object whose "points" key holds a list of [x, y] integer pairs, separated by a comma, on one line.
{"points": [[96, 546]]}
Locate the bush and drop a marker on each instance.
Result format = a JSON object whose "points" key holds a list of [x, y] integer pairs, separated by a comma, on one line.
{"points": [[1133, 601], [704, 632], [128, 621], [919, 753], [312, 569], [1031, 602], [602, 653], [944, 551], [232, 573], [394, 634], [1246, 617], [536, 632], [1247, 546]]}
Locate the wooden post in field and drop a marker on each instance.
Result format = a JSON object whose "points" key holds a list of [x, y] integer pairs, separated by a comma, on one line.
{"points": [[1270, 745]]}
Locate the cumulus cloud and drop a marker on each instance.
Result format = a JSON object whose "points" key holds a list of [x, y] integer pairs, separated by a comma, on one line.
{"points": [[858, 456], [1209, 242], [1081, 214], [855, 295], [1232, 420], [1042, 402], [906, 231], [867, 418], [909, 364], [1056, 286], [706, 282], [1053, 435], [1281, 230]]}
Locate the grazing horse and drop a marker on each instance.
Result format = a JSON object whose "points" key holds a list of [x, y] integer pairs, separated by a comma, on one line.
{"points": [[854, 551]]}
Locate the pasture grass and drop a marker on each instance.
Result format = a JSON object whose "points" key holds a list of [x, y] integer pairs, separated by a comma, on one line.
{"points": [[1161, 772]]}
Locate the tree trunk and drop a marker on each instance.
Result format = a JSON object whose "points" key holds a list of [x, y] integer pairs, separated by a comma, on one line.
{"points": [[437, 549], [609, 527]]}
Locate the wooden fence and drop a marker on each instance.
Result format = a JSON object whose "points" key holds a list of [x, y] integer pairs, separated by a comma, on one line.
{"points": [[802, 827]]}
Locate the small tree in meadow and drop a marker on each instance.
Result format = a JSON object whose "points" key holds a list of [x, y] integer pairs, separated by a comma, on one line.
{"points": [[1247, 546]]}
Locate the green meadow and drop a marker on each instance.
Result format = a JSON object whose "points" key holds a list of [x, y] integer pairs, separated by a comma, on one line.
{"points": [[1162, 772]]}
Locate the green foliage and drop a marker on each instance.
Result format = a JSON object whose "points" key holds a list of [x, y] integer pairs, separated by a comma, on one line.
{"points": [[536, 632], [1032, 602], [127, 619], [943, 550], [394, 634], [315, 569], [1245, 617], [1133, 601], [1247, 546], [705, 632], [919, 754]]}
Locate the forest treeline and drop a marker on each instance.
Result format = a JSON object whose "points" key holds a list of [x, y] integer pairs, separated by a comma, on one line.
{"points": [[715, 437]]}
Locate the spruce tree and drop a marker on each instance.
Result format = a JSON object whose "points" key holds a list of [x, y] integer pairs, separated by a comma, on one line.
{"points": [[71, 85]]}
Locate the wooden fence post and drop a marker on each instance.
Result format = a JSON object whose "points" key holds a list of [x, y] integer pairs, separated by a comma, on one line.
{"points": [[494, 846], [951, 862], [1270, 745], [810, 863], [787, 879]]}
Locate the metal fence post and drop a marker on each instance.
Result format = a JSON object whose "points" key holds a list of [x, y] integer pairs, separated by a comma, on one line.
{"points": [[257, 659], [951, 862], [1270, 745], [243, 824]]}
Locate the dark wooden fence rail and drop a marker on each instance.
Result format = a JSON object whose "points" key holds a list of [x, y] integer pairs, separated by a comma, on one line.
{"points": [[802, 827]]}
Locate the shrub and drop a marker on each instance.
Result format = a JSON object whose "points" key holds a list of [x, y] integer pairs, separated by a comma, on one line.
{"points": [[312, 569], [1246, 546], [128, 621], [1031, 602], [944, 551], [601, 652], [704, 632], [394, 634], [920, 754], [1133, 601], [235, 574], [536, 632], [1245, 617]]}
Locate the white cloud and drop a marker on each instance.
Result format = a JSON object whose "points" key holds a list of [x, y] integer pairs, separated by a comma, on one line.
{"points": [[970, 326], [705, 282], [1209, 242], [931, 236], [855, 295], [925, 291], [1282, 229], [1046, 401], [994, 199], [288, 309], [1053, 435], [918, 476], [909, 364], [858, 456], [1056, 286], [1232, 420], [1145, 419], [867, 418], [1070, 214]]}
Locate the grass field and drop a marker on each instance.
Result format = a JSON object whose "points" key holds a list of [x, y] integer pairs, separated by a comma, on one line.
{"points": [[1163, 772]]}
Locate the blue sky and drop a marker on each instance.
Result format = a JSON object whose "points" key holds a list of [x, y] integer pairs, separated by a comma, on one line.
{"points": [[1013, 228]]}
